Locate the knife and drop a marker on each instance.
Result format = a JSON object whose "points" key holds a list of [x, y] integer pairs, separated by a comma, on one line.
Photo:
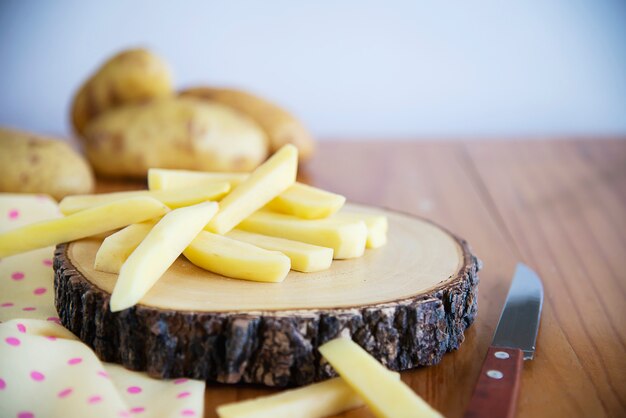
{"points": [[495, 394]]}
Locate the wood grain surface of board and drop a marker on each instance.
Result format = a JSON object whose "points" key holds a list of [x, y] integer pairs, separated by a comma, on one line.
{"points": [[407, 303]]}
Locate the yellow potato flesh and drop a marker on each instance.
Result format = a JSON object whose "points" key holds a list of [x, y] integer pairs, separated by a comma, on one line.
{"points": [[314, 401], [172, 198], [265, 183], [116, 248], [80, 225], [304, 257], [377, 227], [299, 199], [386, 396], [307, 202], [236, 259], [167, 179], [160, 248], [346, 238]]}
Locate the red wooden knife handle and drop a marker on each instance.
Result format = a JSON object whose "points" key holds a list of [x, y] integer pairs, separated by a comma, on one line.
{"points": [[495, 394]]}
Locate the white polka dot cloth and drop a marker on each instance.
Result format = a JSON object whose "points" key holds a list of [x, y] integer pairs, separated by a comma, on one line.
{"points": [[45, 371]]}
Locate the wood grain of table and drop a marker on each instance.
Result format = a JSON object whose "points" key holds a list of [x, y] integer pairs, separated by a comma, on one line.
{"points": [[558, 206]]}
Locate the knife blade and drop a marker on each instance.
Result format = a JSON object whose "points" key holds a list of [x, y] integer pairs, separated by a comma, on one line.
{"points": [[495, 394]]}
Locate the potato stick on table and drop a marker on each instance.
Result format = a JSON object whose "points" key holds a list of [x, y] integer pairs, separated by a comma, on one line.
{"points": [[80, 225], [313, 401], [387, 397]]}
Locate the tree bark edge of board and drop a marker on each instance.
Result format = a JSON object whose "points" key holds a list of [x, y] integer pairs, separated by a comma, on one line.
{"points": [[269, 348]]}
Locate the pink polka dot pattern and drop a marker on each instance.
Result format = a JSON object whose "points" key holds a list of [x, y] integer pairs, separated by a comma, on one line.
{"points": [[37, 376], [12, 341], [52, 373], [65, 393], [14, 214]]}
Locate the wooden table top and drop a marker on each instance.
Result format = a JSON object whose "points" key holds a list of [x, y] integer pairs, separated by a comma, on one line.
{"points": [[558, 206]]}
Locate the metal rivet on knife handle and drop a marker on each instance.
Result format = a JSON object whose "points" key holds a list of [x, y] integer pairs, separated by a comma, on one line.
{"points": [[495, 374], [501, 355]]}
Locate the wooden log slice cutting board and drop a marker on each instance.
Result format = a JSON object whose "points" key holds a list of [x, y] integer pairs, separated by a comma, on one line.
{"points": [[406, 303]]}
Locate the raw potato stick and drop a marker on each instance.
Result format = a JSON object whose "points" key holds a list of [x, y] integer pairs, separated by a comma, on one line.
{"points": [[307, 202], [304, 257], [300, 200], [346, 238], [314, 401], [116, 248], [386, 396], [80, 225], [265, 183], [377, 227], [318, 400], [161, 247], [168, 179], [239, 260], [172, 198]]}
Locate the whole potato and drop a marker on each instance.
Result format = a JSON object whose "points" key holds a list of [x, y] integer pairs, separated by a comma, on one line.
{"points": [[183, 133], [132, 76], [279, 125], [33, 164]]}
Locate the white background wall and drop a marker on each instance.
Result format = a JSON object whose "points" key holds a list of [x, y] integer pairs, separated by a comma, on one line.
{"points": [[352, 69]]}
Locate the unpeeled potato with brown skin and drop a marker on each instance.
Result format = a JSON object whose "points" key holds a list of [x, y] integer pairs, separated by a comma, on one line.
{"points": [[279, 125], [31, 163], [132, 76], [182, 133]]}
